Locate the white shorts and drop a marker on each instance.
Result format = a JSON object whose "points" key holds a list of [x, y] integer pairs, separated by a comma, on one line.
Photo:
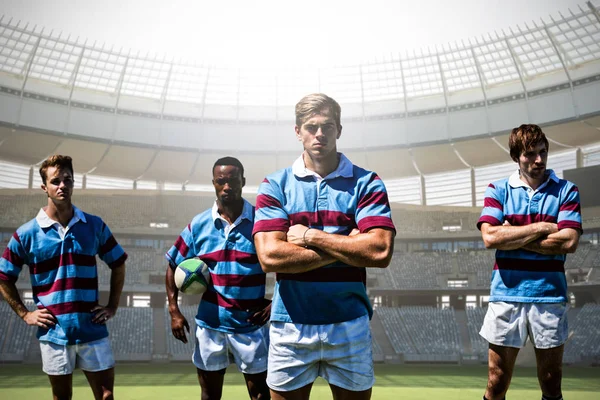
{"points": [[215, 350], [339, 353], [58, 359], [509, 324]]}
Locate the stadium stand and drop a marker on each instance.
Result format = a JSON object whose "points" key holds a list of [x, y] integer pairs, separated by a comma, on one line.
{"points": [[15, 336], [415, 270], [584, 341], [396, 330], [478, 264], [421, 330], [131, 333], [479, 345], [422, 221], [376, 347], [578, 259], [178, 350], [119, 209]]}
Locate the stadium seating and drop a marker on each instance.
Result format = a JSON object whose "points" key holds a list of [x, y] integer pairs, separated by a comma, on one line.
{"points": [[131, 333], [376, 347], [577, 259], [126, 209], [479, 345], [420, 221], [15, 335], [479, 264], [584, 342], [176, 349], [421, 330], [119, 211], [413, 270]]}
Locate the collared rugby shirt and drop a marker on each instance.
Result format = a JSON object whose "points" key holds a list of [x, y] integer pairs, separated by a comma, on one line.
{"points": [[520, 275], [62, 267], [237, 281], [350, 197]]}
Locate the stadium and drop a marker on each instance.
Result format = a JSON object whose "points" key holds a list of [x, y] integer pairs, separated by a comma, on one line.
{"points": [[144, 133]]}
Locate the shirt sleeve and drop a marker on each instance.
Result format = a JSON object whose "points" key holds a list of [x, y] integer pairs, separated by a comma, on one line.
{"points": [[110, 251], [180, 250], [493, 209], [569, 212], [12, 260], [270, 214], [373, 208]]}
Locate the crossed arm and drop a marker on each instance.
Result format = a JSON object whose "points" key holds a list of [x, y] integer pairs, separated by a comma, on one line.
{"points": [[302, 249], [539, 237]]}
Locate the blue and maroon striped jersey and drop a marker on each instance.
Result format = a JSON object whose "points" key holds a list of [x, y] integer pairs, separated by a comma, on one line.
{"points": [[348, 198], [520, 275], [237, 281], [64, 276]]}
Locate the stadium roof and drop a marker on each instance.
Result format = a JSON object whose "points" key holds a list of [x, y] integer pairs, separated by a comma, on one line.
{"points": [[437, 108]]}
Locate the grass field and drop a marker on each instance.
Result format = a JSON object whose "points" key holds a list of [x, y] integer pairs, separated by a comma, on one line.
{"points": [[178, 381]]}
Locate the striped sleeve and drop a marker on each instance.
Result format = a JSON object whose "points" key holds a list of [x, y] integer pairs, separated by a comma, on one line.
{"points": [[110, 251], [180, 250], [373, 208], [12, 260], [270, 214], [493, 209], [569, 212]]}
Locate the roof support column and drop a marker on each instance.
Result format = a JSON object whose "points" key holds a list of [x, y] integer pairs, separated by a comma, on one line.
{"points": [[26, 71], [560, 56], [518, 67]]}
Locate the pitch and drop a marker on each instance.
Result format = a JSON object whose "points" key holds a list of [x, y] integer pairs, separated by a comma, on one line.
{"points": [[420, 382]]}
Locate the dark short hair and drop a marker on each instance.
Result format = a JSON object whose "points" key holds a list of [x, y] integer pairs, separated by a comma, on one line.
{"points": [[229, 161], [58, 161], [525, 137]]}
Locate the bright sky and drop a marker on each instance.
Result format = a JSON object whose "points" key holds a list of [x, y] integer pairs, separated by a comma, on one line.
{"points": [[279, 32]]}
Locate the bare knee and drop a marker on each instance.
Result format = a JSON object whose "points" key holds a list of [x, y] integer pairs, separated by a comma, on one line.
{"points": [[498, 382], [62, 395], [61, 391], [550, 381], [107, 394]]}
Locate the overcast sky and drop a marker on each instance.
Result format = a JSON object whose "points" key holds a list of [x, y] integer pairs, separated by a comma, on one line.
{"points": [[279, 32]]}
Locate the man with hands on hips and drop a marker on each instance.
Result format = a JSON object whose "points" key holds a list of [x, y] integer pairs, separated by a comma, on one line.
{"points": [[60, 246]]}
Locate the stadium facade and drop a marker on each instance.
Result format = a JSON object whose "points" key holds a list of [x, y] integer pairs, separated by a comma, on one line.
{"points": [[433, 124]]}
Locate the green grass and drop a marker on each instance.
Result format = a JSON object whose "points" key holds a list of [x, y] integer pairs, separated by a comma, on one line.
{"points": [[178, 381]]}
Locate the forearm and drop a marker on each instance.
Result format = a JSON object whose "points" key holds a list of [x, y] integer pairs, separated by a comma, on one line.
{"points": [[172, 291], [11, 295], [508, 237], [562, 242], [371, 249], [117, 281], [285, 257]]}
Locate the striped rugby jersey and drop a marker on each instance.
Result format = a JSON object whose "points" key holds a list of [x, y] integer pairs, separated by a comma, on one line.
{"points": [[347, 198], [524, 276], [64, 276], [237, 280]]}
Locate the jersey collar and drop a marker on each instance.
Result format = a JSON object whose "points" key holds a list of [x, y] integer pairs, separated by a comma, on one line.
{"points": [[246, 212], [344, 169], [515, 180], [44, 221]]}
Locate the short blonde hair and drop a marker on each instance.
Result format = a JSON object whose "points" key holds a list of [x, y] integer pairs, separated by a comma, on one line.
{"points": [[313, 104]]}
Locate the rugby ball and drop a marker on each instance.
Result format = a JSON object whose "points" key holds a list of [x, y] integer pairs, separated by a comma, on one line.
{"points": [[192, 276]]}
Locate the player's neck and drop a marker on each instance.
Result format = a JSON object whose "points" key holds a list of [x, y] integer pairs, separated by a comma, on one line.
{"points": [[62, 213], [321, 165], [230, 212], [532, 182]]}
